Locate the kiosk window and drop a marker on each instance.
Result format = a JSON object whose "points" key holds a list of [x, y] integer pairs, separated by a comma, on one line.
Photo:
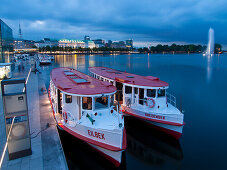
{"points": [[161, 92], [87, 103], [151, 92], [68, 98], [128, 89]]}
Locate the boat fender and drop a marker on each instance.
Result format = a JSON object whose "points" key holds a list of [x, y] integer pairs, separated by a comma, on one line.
{"points": [[153, 102], [65, 117]]}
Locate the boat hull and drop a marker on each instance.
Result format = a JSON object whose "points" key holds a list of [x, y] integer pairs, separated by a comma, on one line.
{"points": [[173, 129], [104, 142]]}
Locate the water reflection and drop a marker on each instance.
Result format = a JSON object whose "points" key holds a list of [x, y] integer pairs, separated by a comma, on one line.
{"points": [[81, 156], [209, 67], [151, 146]]}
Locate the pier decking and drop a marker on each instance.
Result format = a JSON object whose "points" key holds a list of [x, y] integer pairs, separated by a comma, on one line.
{"points": [[47, 152]]}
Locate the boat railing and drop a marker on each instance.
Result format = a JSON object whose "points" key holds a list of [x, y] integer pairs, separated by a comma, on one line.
{"points": [[171, 99]]}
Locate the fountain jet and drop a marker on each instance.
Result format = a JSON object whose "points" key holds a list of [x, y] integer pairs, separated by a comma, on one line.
{"points": [[210, 46]]}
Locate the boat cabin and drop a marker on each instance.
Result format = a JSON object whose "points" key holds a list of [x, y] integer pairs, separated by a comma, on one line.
{"points": [[134, 90], [74, 95]]}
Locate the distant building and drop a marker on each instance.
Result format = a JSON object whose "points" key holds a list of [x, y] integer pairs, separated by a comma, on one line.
{"points": [[23, 44], [76, 43], [108, 44], [6, 40], [46, 42], [86, 37], [129, 44], [120, 44], [71, 43], [99, 43], [89, 44]]}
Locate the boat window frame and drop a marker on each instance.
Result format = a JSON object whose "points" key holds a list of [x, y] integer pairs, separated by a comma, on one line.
{"points": [[108, 102], [68, 101], [136, 90], [111, 99], [82, 103], [155, 91], [162, 95], [129, 90]]}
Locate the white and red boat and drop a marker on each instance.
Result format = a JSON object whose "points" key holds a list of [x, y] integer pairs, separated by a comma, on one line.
{"points": [[84, 107], [144, 97]]}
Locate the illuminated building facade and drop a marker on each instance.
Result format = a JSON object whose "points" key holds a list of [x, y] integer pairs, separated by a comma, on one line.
{"points": [[99, 43], [46, 42], [6, 40], [76, 43]]}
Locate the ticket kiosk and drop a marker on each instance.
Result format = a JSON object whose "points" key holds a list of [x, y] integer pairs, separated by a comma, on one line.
{"points": [[16, 115]]}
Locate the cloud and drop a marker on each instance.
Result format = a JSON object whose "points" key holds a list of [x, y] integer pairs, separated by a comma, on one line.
{"points": [[144, 20]]}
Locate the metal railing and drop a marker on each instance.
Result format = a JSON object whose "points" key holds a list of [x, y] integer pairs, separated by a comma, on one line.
{"points": [[5, 147], [171, 99]]}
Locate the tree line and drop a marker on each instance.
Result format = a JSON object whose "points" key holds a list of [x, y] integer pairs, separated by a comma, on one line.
{"points": [[191, 48], [179, 48]]}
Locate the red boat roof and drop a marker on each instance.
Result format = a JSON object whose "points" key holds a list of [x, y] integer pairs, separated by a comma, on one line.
{"points": [[128, 78], [72, 81]]}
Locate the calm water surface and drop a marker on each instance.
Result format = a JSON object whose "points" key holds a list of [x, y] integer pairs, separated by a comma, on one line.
{"points": [[198, 82]]}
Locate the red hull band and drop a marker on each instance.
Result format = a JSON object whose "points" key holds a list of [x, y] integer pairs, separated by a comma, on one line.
{"points": [[172, 133], [155, 120]]}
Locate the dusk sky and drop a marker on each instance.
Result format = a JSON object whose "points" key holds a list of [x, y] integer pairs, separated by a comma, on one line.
{"points": [[147, 22]]}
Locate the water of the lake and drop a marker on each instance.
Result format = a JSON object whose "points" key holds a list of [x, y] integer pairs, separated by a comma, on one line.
{"points": [[198, 82]]}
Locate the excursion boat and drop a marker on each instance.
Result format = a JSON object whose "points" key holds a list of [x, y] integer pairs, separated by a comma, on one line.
{"points": [[44, 60], [84, 107], [144, 97]]}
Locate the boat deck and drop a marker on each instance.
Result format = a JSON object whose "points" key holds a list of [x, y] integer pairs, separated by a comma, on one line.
{"points": [[128, 78], [74, 82]]}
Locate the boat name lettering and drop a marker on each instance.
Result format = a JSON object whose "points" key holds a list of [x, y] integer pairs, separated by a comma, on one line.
{"points": [[96, 134], [155, 116]]}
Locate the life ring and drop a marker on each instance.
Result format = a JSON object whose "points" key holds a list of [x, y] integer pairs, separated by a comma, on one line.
{"points": [[65, 117], [150, 99]]}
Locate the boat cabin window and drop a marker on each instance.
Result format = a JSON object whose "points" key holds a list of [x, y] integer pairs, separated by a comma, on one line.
{"points": [[87, 103], [101, 102], [136, 90], [68, 98], [128, 89], [111, 100], [161, 92], [151, 92]]}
